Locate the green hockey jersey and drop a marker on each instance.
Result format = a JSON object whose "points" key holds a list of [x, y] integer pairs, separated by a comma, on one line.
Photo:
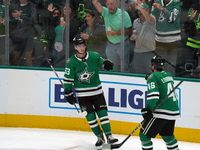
{"points": [[84, 75], [159, 85], [168, 22]]}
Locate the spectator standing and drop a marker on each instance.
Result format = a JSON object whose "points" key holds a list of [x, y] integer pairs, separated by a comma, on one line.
{"points": [[48, 35], [2, 34], [188, 52], [94, 33], [167, 13], [162, 120], [59, 54], [144, 35], [112, 20], [24, 17], [45, 9], [82, 71], [188, 60]]}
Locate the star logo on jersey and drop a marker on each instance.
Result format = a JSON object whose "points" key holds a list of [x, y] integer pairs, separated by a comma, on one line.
{"points": [[161, 17], [85, 76]]}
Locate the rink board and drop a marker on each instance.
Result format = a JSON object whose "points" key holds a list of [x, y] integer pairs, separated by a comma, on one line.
{"points": [[35, 99]]}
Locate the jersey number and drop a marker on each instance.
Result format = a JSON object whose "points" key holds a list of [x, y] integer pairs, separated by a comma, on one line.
{"points": [[169, 89], [151, 85]]}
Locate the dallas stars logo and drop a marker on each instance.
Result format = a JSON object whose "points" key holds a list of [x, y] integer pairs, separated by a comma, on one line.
{"points": [[161, 17], [85, 76]]}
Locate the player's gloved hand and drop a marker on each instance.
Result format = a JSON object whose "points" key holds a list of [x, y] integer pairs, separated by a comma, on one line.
{"points": [[70, 97], [146, 113], [147, 75], [107, 65]]}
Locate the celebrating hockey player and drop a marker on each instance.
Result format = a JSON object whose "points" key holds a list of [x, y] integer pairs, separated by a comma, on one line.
{"points": [[82, 72], [162, 120]]}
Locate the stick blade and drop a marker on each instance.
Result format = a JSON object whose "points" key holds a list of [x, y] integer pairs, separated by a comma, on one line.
{"points": [[106, 146], [115, 146], [83, 114]]}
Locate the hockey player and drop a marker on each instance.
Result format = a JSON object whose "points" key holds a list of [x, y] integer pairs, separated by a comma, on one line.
{"points": [[82, 72], [162, 120]]}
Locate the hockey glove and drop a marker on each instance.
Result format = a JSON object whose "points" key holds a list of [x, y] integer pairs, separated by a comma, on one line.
{"points": [[146, 113], [70, 97], [107, 65]]}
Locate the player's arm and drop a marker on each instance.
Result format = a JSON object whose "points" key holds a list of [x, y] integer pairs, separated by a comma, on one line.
{"points": [[105, 64], [153, 93], [152, 97], [68, 82]]}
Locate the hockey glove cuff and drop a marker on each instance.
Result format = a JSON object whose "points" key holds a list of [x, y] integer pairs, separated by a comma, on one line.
{"points": [[146, 113], [70, 97], [147, 75], [107, 65]]}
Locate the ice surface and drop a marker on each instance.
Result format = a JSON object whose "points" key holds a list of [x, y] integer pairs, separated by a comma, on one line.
{"points": [[48, 139]]}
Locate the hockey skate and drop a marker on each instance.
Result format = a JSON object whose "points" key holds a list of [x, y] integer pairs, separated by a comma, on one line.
{"points": [[100, 142], [111, 139]]}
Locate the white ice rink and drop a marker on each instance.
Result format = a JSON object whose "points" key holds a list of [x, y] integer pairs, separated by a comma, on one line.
{"points": [[46, 139]]}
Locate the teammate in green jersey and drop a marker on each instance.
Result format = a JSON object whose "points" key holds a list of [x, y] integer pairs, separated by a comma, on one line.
{"points": [[82, 72], [162, 120]]}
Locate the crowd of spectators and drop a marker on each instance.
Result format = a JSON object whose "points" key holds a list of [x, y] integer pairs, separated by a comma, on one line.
{"points": [[167, 28]]}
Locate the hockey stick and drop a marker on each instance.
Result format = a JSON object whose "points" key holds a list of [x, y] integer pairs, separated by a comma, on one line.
{"points": [[165, 60], [115, 146], [82, 114]]}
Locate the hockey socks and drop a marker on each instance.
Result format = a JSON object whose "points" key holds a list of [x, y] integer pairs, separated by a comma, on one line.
{"points": [[105, 123], [91, 118], [146, 142], [171, 142]]}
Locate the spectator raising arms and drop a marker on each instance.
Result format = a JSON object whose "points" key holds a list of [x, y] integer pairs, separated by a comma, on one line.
{"points": [[144, 34], [112, 19], [168, 32], [94, 33]]}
